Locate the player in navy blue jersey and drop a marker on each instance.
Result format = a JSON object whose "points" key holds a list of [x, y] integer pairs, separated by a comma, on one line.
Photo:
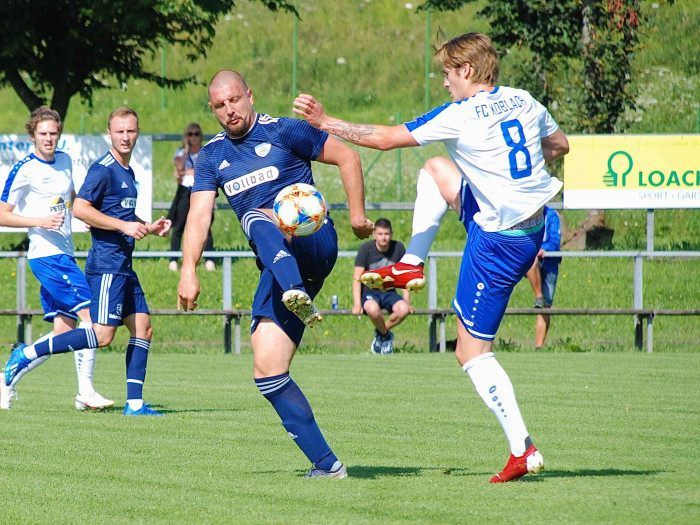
{"points": [[107, 203], [251, 161]]}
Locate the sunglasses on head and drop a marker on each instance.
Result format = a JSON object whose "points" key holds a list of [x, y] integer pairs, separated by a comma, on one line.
{"points": [[193, 133]]}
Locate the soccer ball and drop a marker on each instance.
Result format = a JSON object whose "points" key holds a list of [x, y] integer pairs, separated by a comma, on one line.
{"points": [[299, 210]]}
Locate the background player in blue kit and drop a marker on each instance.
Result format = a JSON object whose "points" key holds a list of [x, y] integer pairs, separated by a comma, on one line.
{"points": [[544, 272], [107, 202], [40, 186], [498, 139], [251, 161]]}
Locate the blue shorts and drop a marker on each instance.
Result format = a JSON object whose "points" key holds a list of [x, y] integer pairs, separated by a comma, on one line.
{"points": [[315, 256], [386, 300], [114, 297], [64, 290], [492, 264], [549, 273]]}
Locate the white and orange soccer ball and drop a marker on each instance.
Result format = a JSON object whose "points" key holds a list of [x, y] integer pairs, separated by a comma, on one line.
{"points": [[299, 210]]}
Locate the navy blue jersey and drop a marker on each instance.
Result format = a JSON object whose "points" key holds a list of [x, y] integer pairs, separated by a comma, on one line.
{"points": [[252, 170], [111, 189]]}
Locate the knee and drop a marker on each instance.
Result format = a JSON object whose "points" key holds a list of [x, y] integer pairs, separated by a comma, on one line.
{"points": [[435, 166], [104, 334], [371, 308], [148, 332], [401, 309]]}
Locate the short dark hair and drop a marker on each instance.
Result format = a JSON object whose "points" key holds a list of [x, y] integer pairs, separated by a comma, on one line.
{"points": [[383, 223]]}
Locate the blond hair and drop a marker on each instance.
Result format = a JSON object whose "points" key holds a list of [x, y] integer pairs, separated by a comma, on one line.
{"points": [[474, 49], [122, 112], [41, 114]]}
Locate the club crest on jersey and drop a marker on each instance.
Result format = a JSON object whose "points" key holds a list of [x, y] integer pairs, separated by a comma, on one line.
{"points": [[261, 150], [250, 180]]}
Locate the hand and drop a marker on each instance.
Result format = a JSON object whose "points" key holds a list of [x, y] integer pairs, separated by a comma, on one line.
{"points": [[411, 309], [362, 228], [161, 227], [356, 309], [188, 290], [53, 221], [311, 109], [540, 254], [135, 229]]}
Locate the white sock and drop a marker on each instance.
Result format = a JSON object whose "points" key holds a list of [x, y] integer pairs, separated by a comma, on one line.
{"points": [[36, 361], [428, 212], [134, 404], [494, 386], [84, 365]]}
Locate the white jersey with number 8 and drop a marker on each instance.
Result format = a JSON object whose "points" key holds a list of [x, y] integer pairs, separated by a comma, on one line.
{"points": [[494, 138]]}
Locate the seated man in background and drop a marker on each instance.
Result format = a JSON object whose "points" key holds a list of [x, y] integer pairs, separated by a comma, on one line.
{"points": [[376, 253], [544, 272]]}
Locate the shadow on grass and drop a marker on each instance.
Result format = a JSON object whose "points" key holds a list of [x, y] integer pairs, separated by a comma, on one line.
{"points": [[366, 472], [590, 473], [163, 410]]}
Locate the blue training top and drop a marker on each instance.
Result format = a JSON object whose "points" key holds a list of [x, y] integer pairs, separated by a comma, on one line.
{"points": [[111, 189], [251, 170]]}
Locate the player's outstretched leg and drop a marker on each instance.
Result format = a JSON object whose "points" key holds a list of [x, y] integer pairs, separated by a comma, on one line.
{"points": [[437, 187], [23, 355], [270, 246], [298, 420]]}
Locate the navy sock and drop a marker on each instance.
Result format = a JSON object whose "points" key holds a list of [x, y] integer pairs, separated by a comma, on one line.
{"points": [[297, 418], [136, 361], [272, 250], [77, 339]]}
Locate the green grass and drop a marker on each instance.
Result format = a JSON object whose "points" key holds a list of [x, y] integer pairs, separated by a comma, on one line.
{"points": [[418, 443]]}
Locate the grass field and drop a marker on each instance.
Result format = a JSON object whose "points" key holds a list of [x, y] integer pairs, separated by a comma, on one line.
{"points": [[618, 433]]}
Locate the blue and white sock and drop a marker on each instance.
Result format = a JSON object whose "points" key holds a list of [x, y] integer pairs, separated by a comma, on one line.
{"points": [[77, 339], [297, 418], [136, 362], [271, 249]]}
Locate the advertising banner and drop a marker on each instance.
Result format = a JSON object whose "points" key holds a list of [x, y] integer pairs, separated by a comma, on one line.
{"points": [[84, 150], [632, 171]]}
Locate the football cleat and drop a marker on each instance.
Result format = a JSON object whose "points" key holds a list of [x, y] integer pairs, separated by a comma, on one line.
{"points": [[16, 363], [339, 472], [145, 410], [94, 401], [388, 344], [376, 347], [6, 395], [399, 275], [299, 303], [517, 466]]}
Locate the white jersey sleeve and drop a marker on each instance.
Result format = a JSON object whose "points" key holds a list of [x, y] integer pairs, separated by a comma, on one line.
{"points": [[438, 125], [547, 123], [17, 184]]}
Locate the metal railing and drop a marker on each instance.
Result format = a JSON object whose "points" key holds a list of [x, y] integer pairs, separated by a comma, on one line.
{"points": [[437, 315]]}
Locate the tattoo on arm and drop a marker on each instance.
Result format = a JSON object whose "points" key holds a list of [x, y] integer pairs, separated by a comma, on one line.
{"points": [[353, 132]]}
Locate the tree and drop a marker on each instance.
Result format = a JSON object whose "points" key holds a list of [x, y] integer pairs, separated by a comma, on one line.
{"points": [[50, 51]]}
